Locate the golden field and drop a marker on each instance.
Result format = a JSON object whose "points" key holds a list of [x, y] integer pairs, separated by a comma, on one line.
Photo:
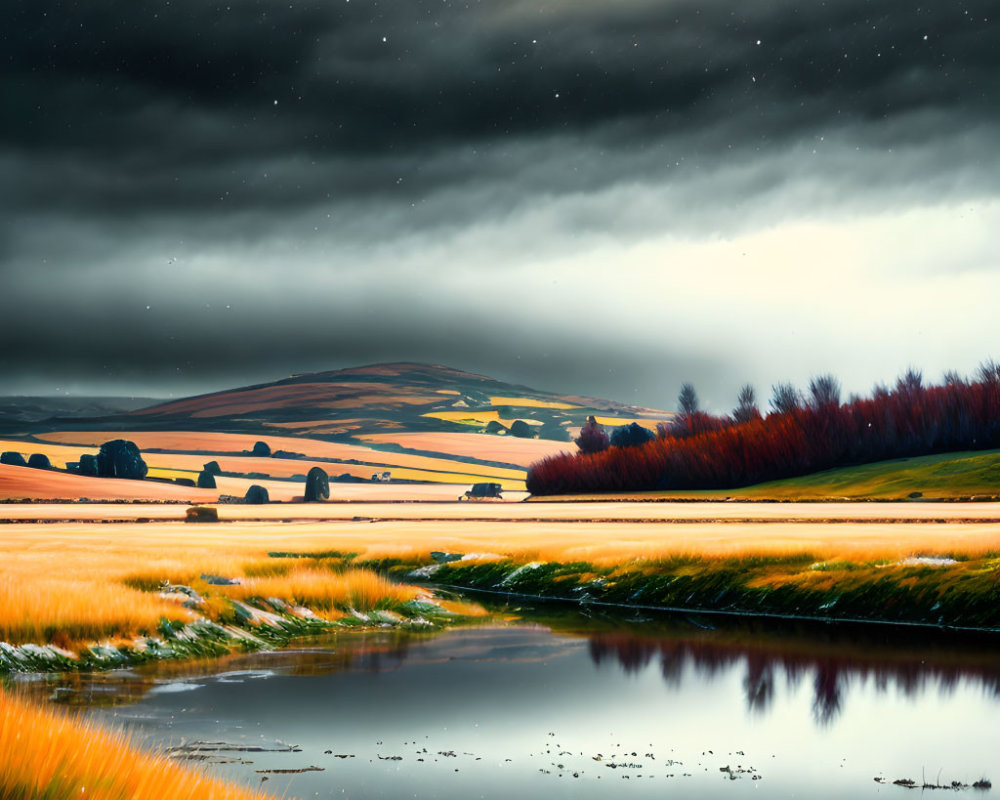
{"points": [[484, 446], [17, 483], [402, 465], [612, 532], [529, 402], [189, 451], [70, 582], [77, 584]]}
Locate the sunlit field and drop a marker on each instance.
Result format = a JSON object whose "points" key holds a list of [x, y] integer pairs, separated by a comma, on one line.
{"points": [[221, 444], [483, 446], [64, 447], [48, 755], [76, 585], [17, 483], [529, 402], [73, 582]]}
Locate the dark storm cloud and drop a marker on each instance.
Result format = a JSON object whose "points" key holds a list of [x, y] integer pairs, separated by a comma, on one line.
{"points": [[174, 104], [348, 177]]}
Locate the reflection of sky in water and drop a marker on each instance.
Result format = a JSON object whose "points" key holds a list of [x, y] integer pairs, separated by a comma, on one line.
{"points": [[515, 704]]}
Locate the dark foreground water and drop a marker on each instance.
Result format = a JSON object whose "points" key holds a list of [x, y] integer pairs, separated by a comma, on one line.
{"points": [[602, 708]]}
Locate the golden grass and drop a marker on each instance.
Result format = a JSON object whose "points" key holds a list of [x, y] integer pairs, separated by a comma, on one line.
{"points": [[68, 611], [853, 542], [74, 592], [322, 590], [47, 754], [72, 585]]}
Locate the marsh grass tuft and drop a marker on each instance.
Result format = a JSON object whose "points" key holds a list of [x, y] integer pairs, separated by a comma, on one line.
{"points": [[322, 590], [48, 755]]}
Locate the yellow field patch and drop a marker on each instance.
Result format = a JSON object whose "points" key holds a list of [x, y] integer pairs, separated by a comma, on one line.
{"points": [[528, 402], [172, 474]]}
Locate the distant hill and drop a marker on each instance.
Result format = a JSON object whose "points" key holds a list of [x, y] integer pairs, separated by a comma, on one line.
{"points": [[16, 410], [381, 398]]}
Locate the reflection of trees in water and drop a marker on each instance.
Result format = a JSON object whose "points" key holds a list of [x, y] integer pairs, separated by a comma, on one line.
{"points": [[633, 653], [758, 683], [832, 668], [828, 692]]}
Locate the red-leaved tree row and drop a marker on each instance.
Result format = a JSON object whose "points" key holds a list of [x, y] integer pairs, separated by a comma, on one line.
{"points": [[705, 452]]}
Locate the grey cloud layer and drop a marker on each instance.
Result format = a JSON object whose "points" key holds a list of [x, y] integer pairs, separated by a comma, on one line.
{"points": [[192, 155]]}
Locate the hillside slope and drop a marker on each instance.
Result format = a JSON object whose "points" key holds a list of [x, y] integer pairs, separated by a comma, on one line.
{"points": [[381, 398]]}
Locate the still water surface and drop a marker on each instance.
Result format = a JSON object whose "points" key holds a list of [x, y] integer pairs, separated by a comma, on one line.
{"points": [[584, 708]]}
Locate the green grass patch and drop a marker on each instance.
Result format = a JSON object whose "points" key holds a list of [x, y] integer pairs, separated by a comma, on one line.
{"points": [[946, 476]]}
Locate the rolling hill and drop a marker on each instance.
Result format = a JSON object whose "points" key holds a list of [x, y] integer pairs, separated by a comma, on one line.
{"points": [[413, 398]]}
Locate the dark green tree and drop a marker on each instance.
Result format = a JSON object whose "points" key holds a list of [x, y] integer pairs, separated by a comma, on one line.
{"points": [[521, 429], [120, 458], [206, 479], [256, 496], [317, 486]]}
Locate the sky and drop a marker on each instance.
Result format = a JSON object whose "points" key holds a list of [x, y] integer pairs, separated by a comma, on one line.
{"points": [[585, 197]]}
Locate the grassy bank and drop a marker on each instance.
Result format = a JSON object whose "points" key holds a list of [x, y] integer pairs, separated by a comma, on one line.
{"points": [[946, 476], [71, 601], [939, 591]]}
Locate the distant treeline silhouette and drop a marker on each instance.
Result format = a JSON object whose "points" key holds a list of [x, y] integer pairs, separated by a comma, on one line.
{"points": [[801, 435]]}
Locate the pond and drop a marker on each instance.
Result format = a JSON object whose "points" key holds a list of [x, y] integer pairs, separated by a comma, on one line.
{"points": [[558, 703]]}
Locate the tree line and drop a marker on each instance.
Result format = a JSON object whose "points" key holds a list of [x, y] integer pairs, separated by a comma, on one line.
{"points": [[802, 433]]}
